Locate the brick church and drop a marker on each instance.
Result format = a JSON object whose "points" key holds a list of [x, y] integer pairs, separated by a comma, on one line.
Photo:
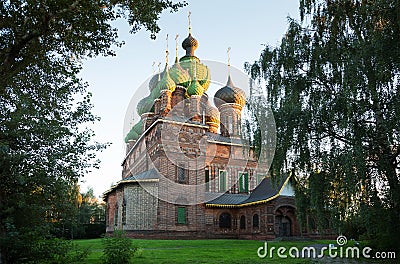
{"points": [[187, 172]]}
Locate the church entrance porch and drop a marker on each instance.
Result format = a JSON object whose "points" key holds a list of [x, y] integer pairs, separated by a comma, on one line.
{"points": [[285, 222]]}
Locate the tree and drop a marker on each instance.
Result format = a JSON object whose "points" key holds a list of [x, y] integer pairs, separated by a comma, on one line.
{"points": [[44, 107], [87, 219], [333, 84], [90, 218]]}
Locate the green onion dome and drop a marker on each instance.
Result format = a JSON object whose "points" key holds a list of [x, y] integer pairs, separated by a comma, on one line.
{"points": [[149, 105], [145, 105], [192, 64], [132, 135], [195, 88], [229, 94], [138, 127], [155, 93], [196, 70], [166, 83], [212, 114], [179, 75], [154, 80]]}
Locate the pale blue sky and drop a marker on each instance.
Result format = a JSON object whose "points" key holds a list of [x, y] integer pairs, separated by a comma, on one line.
{"points": [[245, 26]]}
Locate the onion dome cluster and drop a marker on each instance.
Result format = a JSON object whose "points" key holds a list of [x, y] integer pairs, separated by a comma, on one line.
{"points": [[187, 72], [198, 73], [195, 77]]}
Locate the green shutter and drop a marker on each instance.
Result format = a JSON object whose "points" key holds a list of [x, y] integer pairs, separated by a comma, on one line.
{"points": [[181, 215], [244, 182]]}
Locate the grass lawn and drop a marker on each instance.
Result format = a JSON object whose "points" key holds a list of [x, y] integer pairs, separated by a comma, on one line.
{"points": [[200, 251]]}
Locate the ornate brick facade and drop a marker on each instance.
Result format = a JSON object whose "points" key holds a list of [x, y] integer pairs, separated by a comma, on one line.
{"points": [[175, 157]]}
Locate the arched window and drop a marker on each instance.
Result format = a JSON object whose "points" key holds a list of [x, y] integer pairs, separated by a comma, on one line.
{"points": [[222, 181], [181, 173], [124, 212], [256, 221], [181, 215], [242, 222], [225, 220], [243, 182], [107, 215], [116, 215]]}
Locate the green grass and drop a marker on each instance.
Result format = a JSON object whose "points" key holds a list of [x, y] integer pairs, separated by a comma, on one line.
{"points": [[199, 251]]}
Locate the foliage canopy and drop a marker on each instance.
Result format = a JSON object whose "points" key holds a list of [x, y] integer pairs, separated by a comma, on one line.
{"points": [[333, 85], [44, 106]]}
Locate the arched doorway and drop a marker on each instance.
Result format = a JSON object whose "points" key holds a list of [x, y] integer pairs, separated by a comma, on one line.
{"points": [[242, 222], [225, 220], [285, 221], [284, 226], [256, 221]]}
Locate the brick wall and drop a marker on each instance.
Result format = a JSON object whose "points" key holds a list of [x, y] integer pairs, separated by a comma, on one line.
{"points": [[141, 206]]}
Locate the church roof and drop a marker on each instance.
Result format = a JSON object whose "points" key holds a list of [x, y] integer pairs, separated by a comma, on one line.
{"points": [[267, 190], [226, 198], [147, 175]]}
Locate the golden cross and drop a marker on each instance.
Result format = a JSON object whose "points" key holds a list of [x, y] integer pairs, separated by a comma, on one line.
{"points": [[166, 52], [190, 27], [159, 71], [229, 60], [176, 42], [166, 39], [176, 46]]}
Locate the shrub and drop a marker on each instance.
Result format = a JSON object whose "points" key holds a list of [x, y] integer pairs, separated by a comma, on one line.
{"points": [[62, 251], [118, 249], [54, 251]]}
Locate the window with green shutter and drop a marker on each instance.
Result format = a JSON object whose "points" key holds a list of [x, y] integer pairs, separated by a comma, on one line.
{"points": [[181, 215], [244, 182], [207, 180]]}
